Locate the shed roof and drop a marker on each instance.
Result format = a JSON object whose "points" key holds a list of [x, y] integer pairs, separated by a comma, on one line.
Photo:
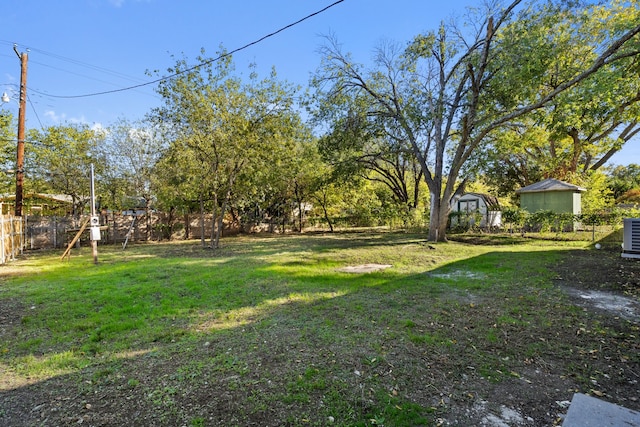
{"points": [[55, 197], [550, 184]]}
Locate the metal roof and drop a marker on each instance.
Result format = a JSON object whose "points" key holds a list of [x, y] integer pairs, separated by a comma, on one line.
{"points": [[550, 184], [57, 197]]}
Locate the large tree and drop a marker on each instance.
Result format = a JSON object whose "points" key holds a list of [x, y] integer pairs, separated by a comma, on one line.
{"points": [[451, 89], [360, 145], [578, 131], [60, 161], [234, 127], [176, 184], [131, 151]]}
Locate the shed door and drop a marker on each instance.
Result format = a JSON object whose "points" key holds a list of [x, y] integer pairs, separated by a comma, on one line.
{"points": [[468, 205]]}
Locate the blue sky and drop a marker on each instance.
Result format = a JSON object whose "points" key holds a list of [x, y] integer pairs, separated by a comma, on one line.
{"points": [[79, 47]]}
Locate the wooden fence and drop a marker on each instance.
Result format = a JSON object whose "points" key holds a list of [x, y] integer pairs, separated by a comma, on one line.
{"points": [[12, 239]]}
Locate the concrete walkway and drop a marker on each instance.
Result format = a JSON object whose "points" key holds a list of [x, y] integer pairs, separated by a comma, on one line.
{"points": [[587, 411]]}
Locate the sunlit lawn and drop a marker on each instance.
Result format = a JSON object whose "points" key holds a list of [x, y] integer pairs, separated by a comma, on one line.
{"points": [[71, 315]]}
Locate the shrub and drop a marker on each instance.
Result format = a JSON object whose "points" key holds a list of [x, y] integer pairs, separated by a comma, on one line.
{"points": [[515, 217], [464, 221]]}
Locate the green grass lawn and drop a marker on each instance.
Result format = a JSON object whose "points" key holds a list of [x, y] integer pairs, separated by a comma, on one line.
{"points": [[275, 321]]}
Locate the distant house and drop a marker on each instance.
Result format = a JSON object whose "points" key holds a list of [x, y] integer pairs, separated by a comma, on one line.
{"points": [[551, 195], [470, 206], [39, 204]]}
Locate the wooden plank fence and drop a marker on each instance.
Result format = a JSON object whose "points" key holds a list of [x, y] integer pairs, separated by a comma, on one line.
{"points": [[12, 239]]}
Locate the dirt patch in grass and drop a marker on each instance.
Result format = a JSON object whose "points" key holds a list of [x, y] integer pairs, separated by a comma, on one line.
{"points": [[364, 268], [506, 356]]}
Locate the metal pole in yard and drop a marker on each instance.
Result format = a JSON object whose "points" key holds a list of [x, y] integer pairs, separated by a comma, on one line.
{"points": [[95, 222]]}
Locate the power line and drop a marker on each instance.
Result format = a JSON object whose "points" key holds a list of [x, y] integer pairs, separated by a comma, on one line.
{"points": [[75, 62], [35, 111], [91, 66], [39, 92], [202, 64], [28, 100]]}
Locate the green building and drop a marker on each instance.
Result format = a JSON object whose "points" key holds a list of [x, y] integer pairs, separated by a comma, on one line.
{"points": [[551, 195]]}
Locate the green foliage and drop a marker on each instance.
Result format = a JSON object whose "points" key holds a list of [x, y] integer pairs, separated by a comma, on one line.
{"points": [[7, 151], [515, 217], [610, 217], [60, 163], [464, 221], [578, 130], [598, 195], [623, 181], [545, 221], [132, 151], [234, 143], [541, 220]]}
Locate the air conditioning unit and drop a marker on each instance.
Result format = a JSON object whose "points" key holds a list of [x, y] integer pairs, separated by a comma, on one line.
{"points": [[631, 238]]}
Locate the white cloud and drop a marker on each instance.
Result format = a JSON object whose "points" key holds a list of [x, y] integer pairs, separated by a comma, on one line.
{"points": [[98, 128], [63, 118], [51, 115]]}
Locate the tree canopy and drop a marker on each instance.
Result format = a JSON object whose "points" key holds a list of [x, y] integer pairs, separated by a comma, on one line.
{"points": [[580, 129], [450, 90], [511, 92], [60, 161], [232, 130]]}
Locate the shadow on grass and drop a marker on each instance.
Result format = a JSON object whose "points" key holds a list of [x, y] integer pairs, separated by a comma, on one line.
{"points": [[271, 333], [144, 297]]}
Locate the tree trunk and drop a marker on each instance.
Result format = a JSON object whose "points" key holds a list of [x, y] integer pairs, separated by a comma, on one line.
{"points": [[299, 201], [438, 219], [147, 209], [220, 224], [434, 218], [323, 202], [214, 221], [326, 217], [300, 213], [186, 225], [170, 220], [202, 241], [223, 209]]}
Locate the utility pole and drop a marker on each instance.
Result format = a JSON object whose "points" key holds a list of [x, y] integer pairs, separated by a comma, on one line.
{"points": [[21, 131]]}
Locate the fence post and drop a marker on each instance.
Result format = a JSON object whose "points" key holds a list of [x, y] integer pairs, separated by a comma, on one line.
{"points": [[54, 232], [23, 233], [13, 239], [3, 237]]}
